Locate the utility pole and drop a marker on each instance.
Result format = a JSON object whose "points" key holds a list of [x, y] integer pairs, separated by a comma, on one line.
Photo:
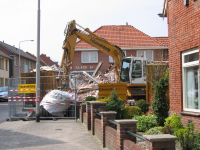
{"points": [[38, 67]]}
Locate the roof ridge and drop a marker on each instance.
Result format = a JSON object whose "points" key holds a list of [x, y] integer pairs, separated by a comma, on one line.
{"points": [[149, 36]]}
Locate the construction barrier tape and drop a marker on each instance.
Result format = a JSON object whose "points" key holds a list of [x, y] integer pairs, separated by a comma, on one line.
{"points": [[22, 97], [21, 90], [23, 100]]}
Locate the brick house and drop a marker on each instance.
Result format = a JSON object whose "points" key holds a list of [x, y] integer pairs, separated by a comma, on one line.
{"points": [[48, 61], [4, 68], [184, 41], [27, 62], [132, 41]]}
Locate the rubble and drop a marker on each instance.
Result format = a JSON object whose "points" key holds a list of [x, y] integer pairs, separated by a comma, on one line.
{"points": [[88, 87], [47, 68]]}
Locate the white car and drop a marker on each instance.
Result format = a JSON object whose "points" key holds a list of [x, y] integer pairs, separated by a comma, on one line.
{"points": [[4, 93]]}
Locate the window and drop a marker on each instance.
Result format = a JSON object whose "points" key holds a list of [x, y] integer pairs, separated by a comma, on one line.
{"points": [[89, 57], [111, 59], [6, 81], [29, 64], [1, 82], [15, 61], [147, 54], [1, 63], [6, 64], [165, 54], [190, 69]]}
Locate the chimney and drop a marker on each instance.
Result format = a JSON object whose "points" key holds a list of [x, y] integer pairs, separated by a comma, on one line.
{"points": [[126, 23]]}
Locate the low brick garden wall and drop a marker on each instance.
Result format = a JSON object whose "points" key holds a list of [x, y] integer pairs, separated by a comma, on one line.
{"points": [[111, 132]]}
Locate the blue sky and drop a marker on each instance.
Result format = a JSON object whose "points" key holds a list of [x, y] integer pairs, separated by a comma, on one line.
{"points": [[19, 20]]}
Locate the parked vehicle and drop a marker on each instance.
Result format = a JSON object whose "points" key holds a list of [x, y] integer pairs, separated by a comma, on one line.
{"points": [[4, 93]]}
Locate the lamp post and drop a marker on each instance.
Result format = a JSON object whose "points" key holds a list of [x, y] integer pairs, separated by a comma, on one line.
{"points": [[19, 53]]}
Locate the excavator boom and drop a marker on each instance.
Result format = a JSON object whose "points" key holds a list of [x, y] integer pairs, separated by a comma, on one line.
{"points": [[89, 37]]}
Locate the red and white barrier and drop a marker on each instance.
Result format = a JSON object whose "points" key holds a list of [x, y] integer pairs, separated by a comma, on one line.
{"points": [[21, 90], [22, 97], [21, 100]]}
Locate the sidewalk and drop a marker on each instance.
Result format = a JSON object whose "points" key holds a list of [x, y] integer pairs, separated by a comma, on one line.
{"points": [[62, 134]]}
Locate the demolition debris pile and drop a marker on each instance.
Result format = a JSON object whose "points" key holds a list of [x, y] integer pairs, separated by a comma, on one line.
{"points": [[88, 85]]}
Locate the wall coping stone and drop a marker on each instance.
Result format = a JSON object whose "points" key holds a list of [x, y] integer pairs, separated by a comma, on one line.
{"points": [[97, 103], [108, 112], [127, 121], [160, 137]]}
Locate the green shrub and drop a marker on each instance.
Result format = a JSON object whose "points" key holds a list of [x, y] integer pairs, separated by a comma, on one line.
{"points": [[129, 111], [187, 138], [145, 122], [155, 130], [101, 97], [90, 98], [143, 105], [114, 104], [103, 100], [172, 123], [160, 104]]}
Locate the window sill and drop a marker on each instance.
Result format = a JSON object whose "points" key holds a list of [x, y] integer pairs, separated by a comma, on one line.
{"points": [[189, 113]]}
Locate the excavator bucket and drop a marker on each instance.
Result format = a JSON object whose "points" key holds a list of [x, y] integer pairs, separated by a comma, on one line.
{"points": [[106, 88]]}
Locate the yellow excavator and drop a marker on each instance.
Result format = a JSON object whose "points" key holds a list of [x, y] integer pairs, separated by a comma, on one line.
{"points": [[130, 71]]}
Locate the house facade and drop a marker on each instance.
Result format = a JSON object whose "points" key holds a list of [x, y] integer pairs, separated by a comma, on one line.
{"points": [[132, 41], [184, 43], [4, 68], [26, 63]]}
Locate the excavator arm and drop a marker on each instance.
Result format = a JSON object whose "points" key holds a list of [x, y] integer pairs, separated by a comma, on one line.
{"points": [[72, 33]]}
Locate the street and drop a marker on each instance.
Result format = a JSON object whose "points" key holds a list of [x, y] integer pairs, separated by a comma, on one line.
{"points": [[3, 111]]}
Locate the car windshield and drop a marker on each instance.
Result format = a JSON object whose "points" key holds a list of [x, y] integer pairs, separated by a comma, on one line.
{"points": [[4, 89]]}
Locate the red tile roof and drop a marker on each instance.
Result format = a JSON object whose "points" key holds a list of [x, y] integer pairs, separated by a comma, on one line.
{"points": [[47, 60], [124, 36], [163, 40]]}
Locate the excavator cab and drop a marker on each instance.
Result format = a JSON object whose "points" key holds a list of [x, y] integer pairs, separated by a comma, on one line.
{"points": [[133, 70]]}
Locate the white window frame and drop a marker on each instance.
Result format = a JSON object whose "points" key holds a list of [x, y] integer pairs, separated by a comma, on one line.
{"points": [[145, 54], [184, 66], [89, 60], [15, 58], [111, 59], [29, 64]]}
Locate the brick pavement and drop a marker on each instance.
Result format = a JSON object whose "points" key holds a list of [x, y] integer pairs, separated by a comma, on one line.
{"points": [[47, 134]]}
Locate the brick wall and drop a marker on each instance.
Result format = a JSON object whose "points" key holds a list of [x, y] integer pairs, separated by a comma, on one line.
{"points": [[128, 144], [184, 34], [98, 129], [111, 138], [113, 135]]}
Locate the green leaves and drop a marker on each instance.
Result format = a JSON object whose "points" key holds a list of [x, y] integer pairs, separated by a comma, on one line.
{"points": [[160, 104], [145, 122], [114, 104], [188, 139]]}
